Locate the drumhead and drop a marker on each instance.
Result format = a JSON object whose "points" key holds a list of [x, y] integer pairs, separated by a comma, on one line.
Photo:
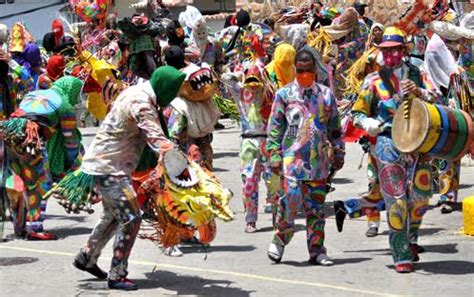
{"points": [[409, 134]]}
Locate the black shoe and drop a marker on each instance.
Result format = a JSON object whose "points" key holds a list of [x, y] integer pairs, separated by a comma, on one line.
{"points": [[219, 126], [122, 284], [94, 270], [419, 249], [340, 213], [372, 232]]}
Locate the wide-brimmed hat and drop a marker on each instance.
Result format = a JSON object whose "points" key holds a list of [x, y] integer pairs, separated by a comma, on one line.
{"points": [[392, 37]]}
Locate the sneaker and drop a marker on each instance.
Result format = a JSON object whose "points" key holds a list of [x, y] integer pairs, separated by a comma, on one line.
{"points": [[322, 260], [172, 251], [122, 284], [219, 126], [404, 268], [372, 232], [419, 249], [275, 252], [251, 228], [340, 213], [79, 263], [445, 208], [267, 208]]}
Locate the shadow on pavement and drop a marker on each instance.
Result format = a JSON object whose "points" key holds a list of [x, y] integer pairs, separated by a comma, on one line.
{"points": [[453, 267], [225, 154], [449, 248], [12, 261], [64, 232], [217, 248], [216, 169], [342, 261], [190, 285], [422, 231], [71, 217], [342, 180], [298, 227], [337, 261]]}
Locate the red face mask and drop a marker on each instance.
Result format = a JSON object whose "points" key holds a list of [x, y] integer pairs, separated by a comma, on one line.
{"points": [[305, 79], [393, 58]]}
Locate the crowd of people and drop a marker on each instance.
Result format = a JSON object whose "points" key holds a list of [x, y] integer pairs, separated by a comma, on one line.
{"points": [[301, 83]]}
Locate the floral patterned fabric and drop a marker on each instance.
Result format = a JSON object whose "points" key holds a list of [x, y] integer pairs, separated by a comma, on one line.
{"points": [[303, 125], [131, 124]]}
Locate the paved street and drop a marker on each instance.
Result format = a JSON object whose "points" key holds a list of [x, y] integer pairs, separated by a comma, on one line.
{"points": [[236, 264]]}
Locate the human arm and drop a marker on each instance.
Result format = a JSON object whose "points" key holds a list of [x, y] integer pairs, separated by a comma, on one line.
{"points": [[276, 128], [362, 110]]}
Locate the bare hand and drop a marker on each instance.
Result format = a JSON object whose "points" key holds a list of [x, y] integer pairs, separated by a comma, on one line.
{"points": [[409, 87]]}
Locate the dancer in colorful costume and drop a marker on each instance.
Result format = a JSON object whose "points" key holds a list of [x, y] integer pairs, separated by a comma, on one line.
{"points": [[54, 71], [453, 81], [109, 162], [42, 143], [371, 204], [194, 113], [304, 138], [406, 201], [252, 90], [141, 33]]}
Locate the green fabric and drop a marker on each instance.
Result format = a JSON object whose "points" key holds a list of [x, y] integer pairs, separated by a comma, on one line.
{"points": [[75, 187], [166, 82], [148, 160], [58, 163], [69, 88], [142, 43]]}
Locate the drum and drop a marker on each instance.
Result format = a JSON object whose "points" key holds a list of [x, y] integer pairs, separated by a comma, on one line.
{"points": [[432, 129]]}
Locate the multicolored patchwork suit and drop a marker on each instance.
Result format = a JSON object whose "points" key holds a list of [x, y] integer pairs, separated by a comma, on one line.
{"points": [[405, 180], [254, 101], [51, 147], [304, 133]]}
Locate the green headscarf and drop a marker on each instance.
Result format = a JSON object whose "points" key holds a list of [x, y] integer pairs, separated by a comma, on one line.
{"points": [[69, 88], [166, 82]]}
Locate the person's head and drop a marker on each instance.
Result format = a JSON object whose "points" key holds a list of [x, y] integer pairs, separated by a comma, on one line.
{"points": [[242, 18], [175, 33], [200, 31], [392, 47], [70, 88], [174, 57], [377, 32], [305, 68], [3, 34], [166, 82], [228, 21], [317, 6], [32, 55], [360, 8], [55, 66]]}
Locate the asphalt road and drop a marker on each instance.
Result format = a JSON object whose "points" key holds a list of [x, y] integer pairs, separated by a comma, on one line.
{"points": [[236, 263]]}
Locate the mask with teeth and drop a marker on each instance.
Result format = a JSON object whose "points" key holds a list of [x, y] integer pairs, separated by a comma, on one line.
{"points": [[199, 84], [181, 198]]}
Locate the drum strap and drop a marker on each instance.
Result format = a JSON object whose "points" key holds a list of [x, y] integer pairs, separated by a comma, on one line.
{"points": [[385, 74]]}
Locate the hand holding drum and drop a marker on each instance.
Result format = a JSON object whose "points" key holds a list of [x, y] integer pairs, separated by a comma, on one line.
{"points": [[409, 87]]}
